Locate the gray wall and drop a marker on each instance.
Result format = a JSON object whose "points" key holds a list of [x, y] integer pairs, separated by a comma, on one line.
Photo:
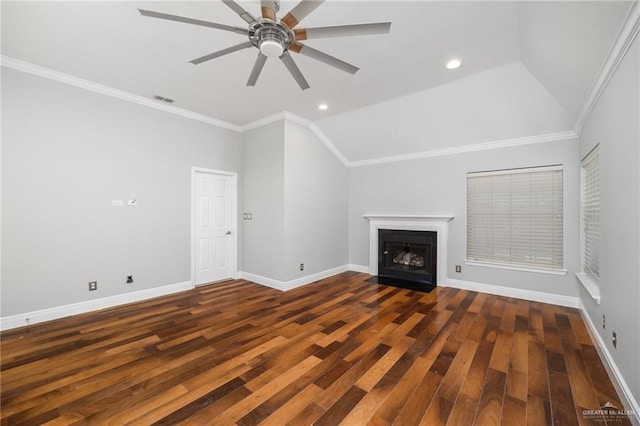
{"points": [[316, 205], [615, 124], [296, 190], [263, 197], [66, 154], [437, 186]]}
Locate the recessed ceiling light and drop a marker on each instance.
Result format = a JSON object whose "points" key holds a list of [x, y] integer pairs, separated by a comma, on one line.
{"points": [[323, 107], [453, 64]]}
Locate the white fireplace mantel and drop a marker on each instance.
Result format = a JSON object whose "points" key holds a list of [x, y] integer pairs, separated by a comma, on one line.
{"points": [[434, 223]]}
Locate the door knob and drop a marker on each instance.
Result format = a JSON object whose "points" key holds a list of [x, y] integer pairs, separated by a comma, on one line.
{"points": [[228, 233]]}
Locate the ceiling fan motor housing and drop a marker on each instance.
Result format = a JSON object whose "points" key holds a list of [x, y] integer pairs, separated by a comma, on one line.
{"points": [[270, 37]]}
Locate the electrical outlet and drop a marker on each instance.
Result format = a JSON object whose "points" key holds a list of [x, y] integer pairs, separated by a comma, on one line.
{"points": [[604, 322], [129, 279], [615, 340], [458, 268], [93, 285], [302, 266]]}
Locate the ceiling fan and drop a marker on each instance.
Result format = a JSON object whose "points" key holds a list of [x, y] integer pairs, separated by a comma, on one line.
{"points": [[275, 38]]}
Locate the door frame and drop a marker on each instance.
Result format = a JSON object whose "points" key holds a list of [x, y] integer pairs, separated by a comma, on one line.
{"points": [[234, 219]]}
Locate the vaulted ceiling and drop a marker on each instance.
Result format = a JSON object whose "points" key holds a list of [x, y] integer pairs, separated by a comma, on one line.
{"points": [[528, 67]]}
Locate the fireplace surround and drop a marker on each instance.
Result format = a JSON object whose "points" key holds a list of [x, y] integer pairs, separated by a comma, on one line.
{"points": [[435, 223]]}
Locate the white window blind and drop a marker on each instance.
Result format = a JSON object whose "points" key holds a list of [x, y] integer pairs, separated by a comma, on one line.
{"points": [[591, 213], [514, 217]]}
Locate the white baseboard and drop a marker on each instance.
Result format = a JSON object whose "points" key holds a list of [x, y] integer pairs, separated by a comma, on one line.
{"points": [[259, 279], [29, 318], [534, 296], [615, 375], [298, 282], [358, 268]]}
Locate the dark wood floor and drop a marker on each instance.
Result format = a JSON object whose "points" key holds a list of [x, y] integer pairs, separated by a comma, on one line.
{"points": [[340, 351]]}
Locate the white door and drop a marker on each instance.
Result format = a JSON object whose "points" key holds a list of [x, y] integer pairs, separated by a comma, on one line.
{"points": [[213, 227]]}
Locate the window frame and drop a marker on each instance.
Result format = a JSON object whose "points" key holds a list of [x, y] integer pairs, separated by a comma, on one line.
{"points": [[589, 166]]}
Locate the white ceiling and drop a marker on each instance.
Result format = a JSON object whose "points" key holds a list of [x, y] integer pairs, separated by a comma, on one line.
{"points": [[499, 104], [560, 45]]}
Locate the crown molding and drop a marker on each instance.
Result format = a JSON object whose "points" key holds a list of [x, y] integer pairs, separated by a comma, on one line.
{"points": [[625, 38], [484, 146], [285, 115], [263, 121], [329, 144], [16, 64], [9, 62]]}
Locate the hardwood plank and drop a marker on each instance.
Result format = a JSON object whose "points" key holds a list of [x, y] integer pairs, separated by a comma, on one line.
{"points": [[538, 411], [419, 401], [285, 413], [339, 351], [514, 411], [478, 301], [257, 397], [502, 352], [463, 411], [517, 378], [475, 377], [438, 412], [458, 371], [583, 392], [401, 392], [538, 379], [508, 321], [341, 408], [490, 406], [348, 379], [599, 378], [562, 406], [308, 416], [536, 327], [380, 368]]}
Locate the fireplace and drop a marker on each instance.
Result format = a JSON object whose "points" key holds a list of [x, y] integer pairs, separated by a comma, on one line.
{"points": [[408, 255], [439, 224]]}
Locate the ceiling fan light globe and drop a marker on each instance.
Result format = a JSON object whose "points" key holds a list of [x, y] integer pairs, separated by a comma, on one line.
{"points": [[271, 48]]}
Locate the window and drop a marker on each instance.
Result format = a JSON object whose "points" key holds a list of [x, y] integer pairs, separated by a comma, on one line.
{"points": [[514, 218], [591, 214], [589, 274]]}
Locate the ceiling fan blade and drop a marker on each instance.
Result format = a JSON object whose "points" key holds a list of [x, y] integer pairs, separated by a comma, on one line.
{"points": [[294, 70], [249, 19], [305, 50], [177, 18], [222, 52], [268, 8], [301, 10], [257, 69], [343, 31]]}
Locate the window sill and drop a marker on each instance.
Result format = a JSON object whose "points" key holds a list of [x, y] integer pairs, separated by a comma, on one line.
{"points": [[590, 285], [517, 268]]}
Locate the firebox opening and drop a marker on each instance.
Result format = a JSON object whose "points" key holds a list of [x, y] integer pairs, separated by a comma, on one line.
{"points": [[408, 256]]}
